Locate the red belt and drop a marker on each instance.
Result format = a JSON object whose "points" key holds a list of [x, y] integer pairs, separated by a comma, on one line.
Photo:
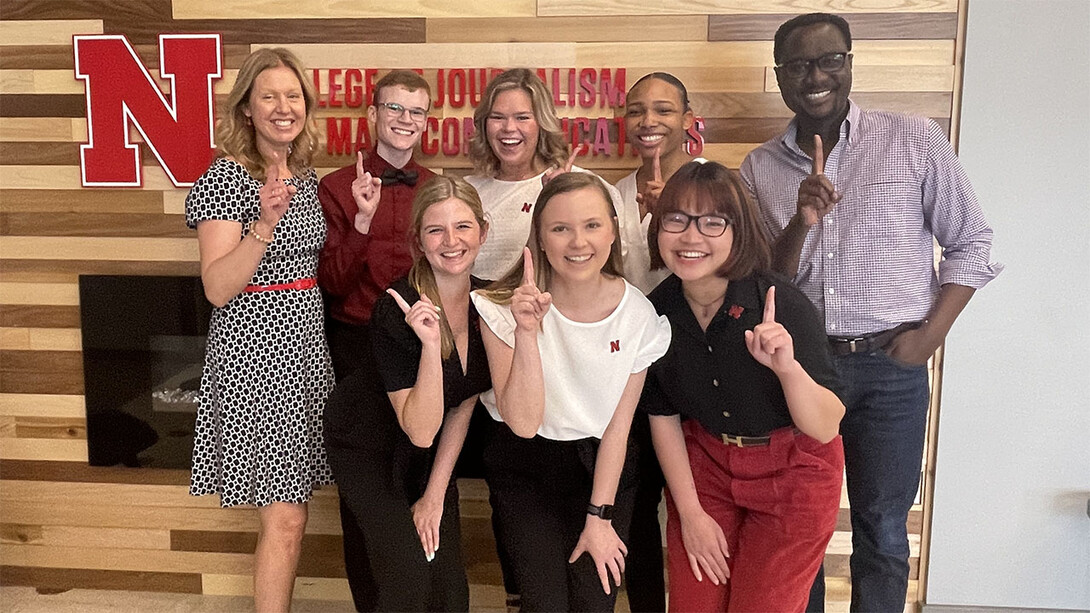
{"points": [[300, 284]]}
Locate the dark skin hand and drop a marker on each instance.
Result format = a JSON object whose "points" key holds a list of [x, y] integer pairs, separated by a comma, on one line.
{"points": [[917, 346], [817, 197]]}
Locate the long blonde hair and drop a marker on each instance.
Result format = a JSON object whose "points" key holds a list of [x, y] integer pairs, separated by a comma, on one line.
{"points": [[421, 277], [501, 290], [235, 131], [552, 147]]}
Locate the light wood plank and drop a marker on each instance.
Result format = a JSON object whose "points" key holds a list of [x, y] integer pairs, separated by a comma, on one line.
{"points": [[67, 429], [98, 248], [20, 534], [62, 294], [757, 53], [106, 538], [567, 29], [7, 426], [889, 79], [42, 405], [47, 339], [49, 129], [97, 494], [103, 558], [24, 81], [729, 7], [293, 9], [314, 588], [68, 177], [46, 32], [438, 55], [44, 449], [174, 201]]}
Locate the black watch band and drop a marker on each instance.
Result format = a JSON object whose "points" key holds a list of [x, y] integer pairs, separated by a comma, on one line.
{"points": [[604, 511]]}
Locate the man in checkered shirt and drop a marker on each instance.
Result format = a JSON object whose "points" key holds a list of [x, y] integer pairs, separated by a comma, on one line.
{"points": [[854, 201]]}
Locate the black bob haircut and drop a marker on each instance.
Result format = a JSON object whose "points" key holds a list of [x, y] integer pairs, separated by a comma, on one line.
{"points": [[802, 21]]}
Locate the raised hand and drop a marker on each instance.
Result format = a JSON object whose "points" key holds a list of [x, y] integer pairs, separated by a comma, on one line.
{"points": [[816, 193], [422, 317], [770, 343], [555, 172], [706, 547], [648, 198], [366, 191], [600, 540], [275, 195], [528, 303]]}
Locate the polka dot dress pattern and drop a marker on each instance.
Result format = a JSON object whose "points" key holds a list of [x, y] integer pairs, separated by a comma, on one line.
{"points": [[267, 371]]}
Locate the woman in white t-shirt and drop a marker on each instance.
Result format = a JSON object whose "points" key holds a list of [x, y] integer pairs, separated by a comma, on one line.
{"points": [[518, 146], [568, 343]]}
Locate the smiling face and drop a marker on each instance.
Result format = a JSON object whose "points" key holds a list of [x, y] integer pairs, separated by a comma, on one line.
{"points": [[690, 255], [816, 97], [656, 119], [399, 131], [276, 107], [576, 232], [512, 132], [450, 237]]}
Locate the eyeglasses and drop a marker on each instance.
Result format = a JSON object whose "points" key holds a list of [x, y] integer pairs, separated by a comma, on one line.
{"points": [[830, 62], [676, 222], [394, 109]]}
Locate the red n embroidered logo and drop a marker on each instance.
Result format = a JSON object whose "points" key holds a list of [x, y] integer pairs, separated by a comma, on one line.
{"points": [[615, 346], [526, 207], [121, 93]]}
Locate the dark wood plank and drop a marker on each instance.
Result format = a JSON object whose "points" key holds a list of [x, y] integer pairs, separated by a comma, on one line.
{"points": [[40, 154], [104, 267], [36, 57], [915, 26], [81, 472], [322, 555], [62, 579], [94, 224], [246, 31], [43, 105], [38, 316], [747, 130], [41, 372], [74, 201]]}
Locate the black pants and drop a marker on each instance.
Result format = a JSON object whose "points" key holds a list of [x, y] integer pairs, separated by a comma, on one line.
{"points": [[379, 475], [643, 568], [541, 491]]}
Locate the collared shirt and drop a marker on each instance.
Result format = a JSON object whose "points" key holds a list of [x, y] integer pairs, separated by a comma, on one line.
{"points": [[355, 269], [868, 265], [710, 376]]}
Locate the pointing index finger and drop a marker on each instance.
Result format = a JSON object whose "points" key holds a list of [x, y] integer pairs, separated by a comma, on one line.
{"points": [[571, 158], [399, 300], [770, 306], [656, 166], [272, 173], [359, 164], [527, 267], [819, 156]]}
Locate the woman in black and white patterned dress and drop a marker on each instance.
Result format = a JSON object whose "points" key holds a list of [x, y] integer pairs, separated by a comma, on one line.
{"points": [[267, 371]]}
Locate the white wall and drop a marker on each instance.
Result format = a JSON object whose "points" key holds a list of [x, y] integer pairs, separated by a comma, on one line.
{"points": [[1013, 470]]}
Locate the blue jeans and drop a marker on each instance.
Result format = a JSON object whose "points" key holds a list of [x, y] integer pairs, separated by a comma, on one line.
{"points": [[883, 428]]}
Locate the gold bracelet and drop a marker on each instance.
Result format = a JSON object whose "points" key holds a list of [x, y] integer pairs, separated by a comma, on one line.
{"points": [[253, 233]]}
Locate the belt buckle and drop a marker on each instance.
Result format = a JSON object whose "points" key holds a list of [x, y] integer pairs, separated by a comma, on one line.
{"points": [[851, 345], [732, 440]]}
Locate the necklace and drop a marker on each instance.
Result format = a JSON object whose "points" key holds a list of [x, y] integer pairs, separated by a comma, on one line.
{"points": [[707, 308]]}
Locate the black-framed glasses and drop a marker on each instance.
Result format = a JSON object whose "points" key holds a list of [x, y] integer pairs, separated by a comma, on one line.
{"points": [[394, 109], [830, 62], [676, 222]]}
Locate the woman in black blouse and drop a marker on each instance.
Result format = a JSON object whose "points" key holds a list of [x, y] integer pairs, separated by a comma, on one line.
{"points": [[428, 349], [743, 416]]}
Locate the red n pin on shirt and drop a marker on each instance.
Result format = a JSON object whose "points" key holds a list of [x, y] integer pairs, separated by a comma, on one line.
{"points": [[735, 311], [615, 346], [526, 207]]}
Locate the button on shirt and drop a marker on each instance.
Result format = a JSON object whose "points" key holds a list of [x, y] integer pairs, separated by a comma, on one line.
{"points": [[710, 375], [869, 266]]}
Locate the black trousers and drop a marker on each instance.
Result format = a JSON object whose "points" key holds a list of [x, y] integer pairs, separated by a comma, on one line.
{"points": [[541, 489], [379, 475], [644, 566]]}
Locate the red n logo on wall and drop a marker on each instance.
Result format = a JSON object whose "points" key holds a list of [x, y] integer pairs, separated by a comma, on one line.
{"points": [[121, 92]]}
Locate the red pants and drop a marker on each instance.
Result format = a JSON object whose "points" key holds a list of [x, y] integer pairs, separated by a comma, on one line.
{"points": [[777, 506]]}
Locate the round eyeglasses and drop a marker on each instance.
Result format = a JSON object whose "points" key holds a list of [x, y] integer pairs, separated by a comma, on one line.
{"points": [[676, 222], [830, 62]]}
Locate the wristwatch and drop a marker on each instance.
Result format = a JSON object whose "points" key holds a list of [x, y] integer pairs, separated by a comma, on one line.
{"points": [[604, 511]]}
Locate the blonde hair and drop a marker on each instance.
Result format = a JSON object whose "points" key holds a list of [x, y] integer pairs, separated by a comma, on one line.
{"points": [[235, 131], [421, 277], [552, 147], [502, 289]]}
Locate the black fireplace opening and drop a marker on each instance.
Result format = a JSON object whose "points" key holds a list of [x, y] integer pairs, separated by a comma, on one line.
{"points": [[143, 352]]}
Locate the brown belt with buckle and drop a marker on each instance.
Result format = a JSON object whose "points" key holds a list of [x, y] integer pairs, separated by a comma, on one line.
{"points": [[844, 345], [750, 441]]}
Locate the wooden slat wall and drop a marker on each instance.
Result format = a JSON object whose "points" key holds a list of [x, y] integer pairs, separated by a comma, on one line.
{"points": [[64, 524]]}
